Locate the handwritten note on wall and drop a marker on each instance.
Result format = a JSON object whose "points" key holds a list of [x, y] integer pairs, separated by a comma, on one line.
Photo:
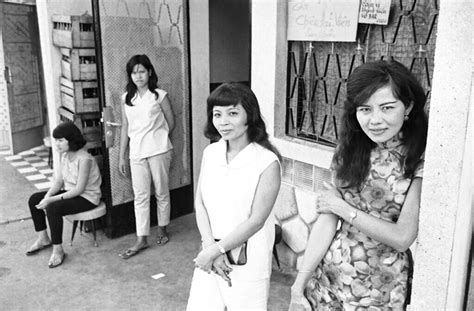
{"points": [[374, 12], [322, 20]]}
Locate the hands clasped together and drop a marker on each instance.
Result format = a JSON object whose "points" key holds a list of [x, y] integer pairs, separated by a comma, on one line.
{"points": [[207, 261], [44, 203]]}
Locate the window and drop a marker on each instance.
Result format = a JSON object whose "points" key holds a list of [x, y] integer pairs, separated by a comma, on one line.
{"points": [[317, 72]]}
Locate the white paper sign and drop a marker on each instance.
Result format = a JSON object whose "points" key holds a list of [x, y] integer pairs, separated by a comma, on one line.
{"points": [[322, 20], [374, 12]]}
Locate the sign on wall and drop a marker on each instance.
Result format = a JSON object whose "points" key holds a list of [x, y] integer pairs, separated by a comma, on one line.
{"points": [[322, 20], [374, 12]]}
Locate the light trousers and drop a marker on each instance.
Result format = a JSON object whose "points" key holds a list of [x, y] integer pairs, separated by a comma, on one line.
{"points": [[145, 171], [210, 292]]}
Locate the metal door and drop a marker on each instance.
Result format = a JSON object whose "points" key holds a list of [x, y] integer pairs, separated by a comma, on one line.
{"points": [[157, 28], [19, 26]]}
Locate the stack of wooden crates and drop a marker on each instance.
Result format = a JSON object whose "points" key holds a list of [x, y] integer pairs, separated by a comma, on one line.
{"points": [[74, 35]]}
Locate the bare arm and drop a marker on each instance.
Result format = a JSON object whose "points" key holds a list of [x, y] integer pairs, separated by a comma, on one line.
{"points": [[320, 239], [57, 182], [124, 140], [168, 112], [399, 235], [264, 199], [82, 178], [202, 218]]}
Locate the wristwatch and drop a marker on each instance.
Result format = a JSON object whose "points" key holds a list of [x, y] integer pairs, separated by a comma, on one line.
{"points": [[353, 216]]}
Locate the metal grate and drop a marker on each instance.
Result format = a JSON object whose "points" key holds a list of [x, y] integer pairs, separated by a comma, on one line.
{"points": [[317, 71]]}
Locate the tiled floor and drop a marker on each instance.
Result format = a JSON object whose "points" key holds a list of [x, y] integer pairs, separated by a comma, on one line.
{"points": [[33, 164]]}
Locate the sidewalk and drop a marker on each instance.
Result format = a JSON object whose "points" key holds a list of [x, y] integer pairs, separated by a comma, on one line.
{"points": [[95, 278]]}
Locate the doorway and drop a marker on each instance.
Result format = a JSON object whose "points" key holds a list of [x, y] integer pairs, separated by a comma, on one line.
{"points": [[159, 29], [22, 111], [229, 42]]}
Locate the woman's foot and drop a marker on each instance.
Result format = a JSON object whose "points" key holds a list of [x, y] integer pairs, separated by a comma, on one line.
{"points": [[162, 236], [38, 245], [140, 245], [57, 257]]}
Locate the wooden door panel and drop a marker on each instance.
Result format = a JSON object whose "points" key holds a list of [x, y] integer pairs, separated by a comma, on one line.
{"points": [[20, 40]]}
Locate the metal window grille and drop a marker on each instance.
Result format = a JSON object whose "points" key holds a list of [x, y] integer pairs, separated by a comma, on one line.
{"points": [[317, 72]]}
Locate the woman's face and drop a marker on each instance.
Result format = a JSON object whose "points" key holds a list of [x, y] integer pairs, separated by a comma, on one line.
{"points": [[140, 76], [382, 116], [230, 121], [62, 144]]}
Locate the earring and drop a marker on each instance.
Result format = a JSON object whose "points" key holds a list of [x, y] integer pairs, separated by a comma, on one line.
{"points": [[406, 117]]}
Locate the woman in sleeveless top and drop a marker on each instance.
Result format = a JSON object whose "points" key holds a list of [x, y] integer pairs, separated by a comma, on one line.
{"points": [[75, 189]]}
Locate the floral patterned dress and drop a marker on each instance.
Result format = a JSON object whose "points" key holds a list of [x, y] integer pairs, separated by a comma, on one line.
{"points": [[359, 273]]}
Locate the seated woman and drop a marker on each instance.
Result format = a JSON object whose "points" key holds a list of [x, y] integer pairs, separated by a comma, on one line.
{"points": [[75, 189]]}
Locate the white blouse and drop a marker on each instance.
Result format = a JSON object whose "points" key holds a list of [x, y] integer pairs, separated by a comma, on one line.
{"points": [[147, 126], [228, 190]]}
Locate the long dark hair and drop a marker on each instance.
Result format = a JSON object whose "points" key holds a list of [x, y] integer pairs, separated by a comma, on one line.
{"points": [[152, 81], [232, 94], [352, 156]]}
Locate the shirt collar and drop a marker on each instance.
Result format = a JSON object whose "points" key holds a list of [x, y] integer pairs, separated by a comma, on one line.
{"points": [[245, 155]]}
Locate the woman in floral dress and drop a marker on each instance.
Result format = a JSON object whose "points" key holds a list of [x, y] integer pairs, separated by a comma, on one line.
{"points": [[364, 263]]}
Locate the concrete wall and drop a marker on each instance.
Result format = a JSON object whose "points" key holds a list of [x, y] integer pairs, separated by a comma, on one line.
{"points": [[445, 219], [200, 77], [51, 54]]}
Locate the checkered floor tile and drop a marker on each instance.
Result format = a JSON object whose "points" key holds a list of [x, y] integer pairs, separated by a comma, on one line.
{"points": [[33, 164]]}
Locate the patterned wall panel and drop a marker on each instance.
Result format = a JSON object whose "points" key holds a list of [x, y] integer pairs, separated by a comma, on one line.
{"points": [[158, 29], [318, 71]]}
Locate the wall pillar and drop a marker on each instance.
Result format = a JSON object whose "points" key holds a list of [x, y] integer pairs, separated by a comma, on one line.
{"points": [[445, 223]]}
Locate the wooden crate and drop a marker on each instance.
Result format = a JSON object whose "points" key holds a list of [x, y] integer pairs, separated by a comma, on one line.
{"points": [[95, 148], [88, 123], [71, 31], [78, 64], [79, 96]]}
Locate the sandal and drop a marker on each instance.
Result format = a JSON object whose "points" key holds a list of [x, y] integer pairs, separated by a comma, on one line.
{"points": [[57, 264], [162, 239], [130, 252], [36, 250]]}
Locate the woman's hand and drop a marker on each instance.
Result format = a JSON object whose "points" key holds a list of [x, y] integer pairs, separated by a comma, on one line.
{"points": [[205, 258], [329, 201], [222, 267], [122, 166], [44, 203], [298, 302]]}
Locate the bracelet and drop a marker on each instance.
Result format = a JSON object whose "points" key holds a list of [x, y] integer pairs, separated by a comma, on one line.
{"points": [[221, 249], [304, 271]]}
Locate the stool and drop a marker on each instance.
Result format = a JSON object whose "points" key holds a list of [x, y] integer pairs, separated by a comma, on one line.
{"points": [[91, 215], [47, 144]]}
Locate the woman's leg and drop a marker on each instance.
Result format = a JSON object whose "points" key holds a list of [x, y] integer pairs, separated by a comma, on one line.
{"points": [[55, 212], [246, 295], [39, 221], [141, 182], [205, 293], [38, 215], [160, 168]]}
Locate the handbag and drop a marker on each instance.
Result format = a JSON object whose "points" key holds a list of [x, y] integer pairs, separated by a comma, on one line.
{"points": [[238, 255]]}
